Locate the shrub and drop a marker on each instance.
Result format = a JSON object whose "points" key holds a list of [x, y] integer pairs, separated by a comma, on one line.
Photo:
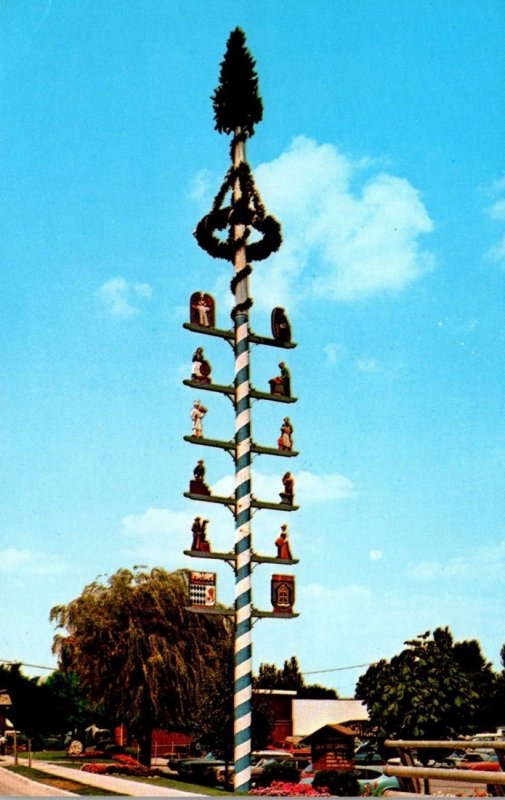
{"points": [[91, 754], [285, 771], [111, 748], [54, 743], [339, 784]]}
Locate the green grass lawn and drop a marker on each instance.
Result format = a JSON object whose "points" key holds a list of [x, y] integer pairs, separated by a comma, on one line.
{"points": [[60, 758], [60, 783]]}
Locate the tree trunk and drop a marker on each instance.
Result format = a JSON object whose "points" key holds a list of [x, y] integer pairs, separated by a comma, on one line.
{"points": [[145, 743]]}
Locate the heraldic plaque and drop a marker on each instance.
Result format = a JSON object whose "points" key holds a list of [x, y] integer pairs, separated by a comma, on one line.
{"points": [[283, 593], [202, 588]]}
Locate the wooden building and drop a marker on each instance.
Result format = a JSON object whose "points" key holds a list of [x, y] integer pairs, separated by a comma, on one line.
{"points": [[332, 747]]}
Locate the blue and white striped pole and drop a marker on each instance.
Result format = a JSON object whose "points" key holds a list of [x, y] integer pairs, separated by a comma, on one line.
{"points": [[243, 639]]}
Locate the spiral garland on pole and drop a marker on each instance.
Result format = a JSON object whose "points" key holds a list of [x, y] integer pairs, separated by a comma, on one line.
{"points": [[238, 108]]}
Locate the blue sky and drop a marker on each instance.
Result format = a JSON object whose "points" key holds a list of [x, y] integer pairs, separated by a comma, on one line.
{"points": [[382, 154]]}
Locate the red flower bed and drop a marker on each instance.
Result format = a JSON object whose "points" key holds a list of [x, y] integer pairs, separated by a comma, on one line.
{"points": [[125, 765], [96, 769], [90, 754], [283, 789]]}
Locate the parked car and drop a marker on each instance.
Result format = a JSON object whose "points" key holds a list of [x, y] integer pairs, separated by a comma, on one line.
{"points": [[369, 757], [174, 761], [297, 749], [498, 736], [472, 757], [454, 758], [204, 769], [307, 774], [491, 765], [256, 755], [396, 761], [372, 779], [259, 761]]}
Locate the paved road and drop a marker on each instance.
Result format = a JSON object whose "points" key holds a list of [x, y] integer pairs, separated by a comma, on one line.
{"points": [[12, 785]]}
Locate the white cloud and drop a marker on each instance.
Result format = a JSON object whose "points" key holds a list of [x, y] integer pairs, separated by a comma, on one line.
{"points": [[375, 555], [370, 622], [155, 521], [309, 488], [334, 353], [497, 213], [200, 189], [341, 241], [367, 365], [158, 534], [318, 488], [28, 562], [478, 562], [119, 296]]}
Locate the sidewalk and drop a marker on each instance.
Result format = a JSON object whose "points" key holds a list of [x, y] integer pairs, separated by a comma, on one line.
{"points": [[122, 786], [12, 785]]}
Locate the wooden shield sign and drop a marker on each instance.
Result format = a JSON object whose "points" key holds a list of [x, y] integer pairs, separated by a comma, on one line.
{"points": [[281, 329], [283, 593], [202, 588]]}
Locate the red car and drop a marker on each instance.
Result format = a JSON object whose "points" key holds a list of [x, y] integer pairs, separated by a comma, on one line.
{"points": [[492, 765]]}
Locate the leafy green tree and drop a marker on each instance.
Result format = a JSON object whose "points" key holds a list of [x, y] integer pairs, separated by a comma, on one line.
{"points": [[290, 678], [137, 650], [483, 679], [211, 723], [211, 720], [271, 677], [428, 691], [31, 702], [71, 710], [497, 704]]}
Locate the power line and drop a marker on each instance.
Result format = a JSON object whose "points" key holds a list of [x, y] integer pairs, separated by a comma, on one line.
{"points": [[339, 669], [312, 672], [24, 664]]}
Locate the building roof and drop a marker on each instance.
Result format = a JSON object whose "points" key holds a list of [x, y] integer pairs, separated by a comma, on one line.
{"points": [[309, 715], [323, 732]]}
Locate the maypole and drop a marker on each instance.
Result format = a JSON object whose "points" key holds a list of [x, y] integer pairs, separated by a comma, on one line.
{"points": [[237, 108], [243, 637]]}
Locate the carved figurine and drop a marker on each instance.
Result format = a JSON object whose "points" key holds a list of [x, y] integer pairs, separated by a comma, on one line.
{"points": [[196, 530], [285, 440], [199, 531], [281, 384], [282, 544], [288, 495], [281, 329], [198, 485], [202, 309], [201, 368], [197, 414]]}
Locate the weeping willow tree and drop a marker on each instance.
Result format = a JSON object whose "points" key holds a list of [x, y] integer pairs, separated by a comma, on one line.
{"points": [[138, 652]]}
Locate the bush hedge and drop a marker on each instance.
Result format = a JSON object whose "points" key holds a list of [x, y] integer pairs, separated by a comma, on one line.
{"points": [[285, 771], [339, 784]]}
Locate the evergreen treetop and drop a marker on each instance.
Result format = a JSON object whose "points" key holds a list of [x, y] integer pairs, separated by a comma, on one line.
{"points": [[237, 103]]}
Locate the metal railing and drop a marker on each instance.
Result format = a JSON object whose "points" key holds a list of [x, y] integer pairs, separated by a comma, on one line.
{"points": [[412, 776]]}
